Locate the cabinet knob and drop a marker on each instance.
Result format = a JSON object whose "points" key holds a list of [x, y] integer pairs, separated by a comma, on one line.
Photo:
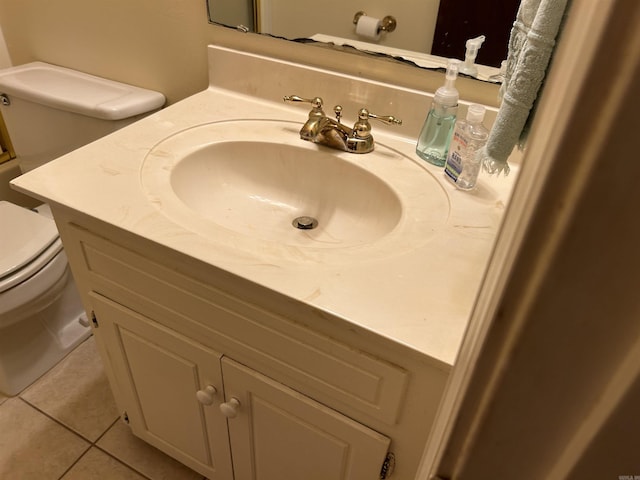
{"points": [[230, 409], [205, 396]]}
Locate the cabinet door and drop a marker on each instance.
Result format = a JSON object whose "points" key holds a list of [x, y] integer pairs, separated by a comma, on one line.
{"points": [[172, 388], [277, 433]]}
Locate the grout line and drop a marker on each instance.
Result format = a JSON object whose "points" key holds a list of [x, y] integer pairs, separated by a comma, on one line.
{"points": [[59, 422], [95, 444], [54, 419], [91, 444], [131, 467], [75, 462], [66, 428], [106, 430], [122, 462]]}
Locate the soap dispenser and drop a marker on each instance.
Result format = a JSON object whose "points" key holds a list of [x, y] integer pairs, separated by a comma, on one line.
{"points": [[472, 46], [433, 142]]}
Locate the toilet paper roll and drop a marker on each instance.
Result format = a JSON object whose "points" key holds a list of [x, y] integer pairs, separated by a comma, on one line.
{"points": [[369, 27]]}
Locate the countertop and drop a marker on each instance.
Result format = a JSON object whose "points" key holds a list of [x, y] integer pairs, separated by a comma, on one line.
{"points": [[420, 295]]}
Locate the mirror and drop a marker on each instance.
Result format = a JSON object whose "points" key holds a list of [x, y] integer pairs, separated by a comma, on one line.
{"points": [[427, 32]]}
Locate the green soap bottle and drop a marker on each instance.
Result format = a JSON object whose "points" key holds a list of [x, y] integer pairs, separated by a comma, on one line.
{"points": [[435, 136]]}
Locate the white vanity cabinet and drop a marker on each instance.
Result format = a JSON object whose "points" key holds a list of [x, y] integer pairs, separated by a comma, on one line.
{"points": [[161, 376], [280, 433], [179, 396], [239, 382]]}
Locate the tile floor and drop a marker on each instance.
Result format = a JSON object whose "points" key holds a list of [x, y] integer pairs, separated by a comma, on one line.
{"points": [[66, 427]]}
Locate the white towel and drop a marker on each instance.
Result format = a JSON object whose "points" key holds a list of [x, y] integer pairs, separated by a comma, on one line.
{"points": [[531, 44]]}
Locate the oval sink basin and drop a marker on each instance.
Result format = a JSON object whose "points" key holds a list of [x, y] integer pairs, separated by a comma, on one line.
{"points": [[258, 188], [257, 180]]}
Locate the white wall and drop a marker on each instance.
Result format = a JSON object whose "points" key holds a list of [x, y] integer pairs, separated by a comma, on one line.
{"points": [[5, 60], [157, 44]]}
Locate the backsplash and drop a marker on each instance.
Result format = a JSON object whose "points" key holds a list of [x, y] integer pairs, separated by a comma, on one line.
{"points": [[352, 93]]}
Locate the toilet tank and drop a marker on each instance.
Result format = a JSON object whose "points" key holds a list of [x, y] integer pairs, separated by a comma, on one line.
{"points": [[51, 110]]}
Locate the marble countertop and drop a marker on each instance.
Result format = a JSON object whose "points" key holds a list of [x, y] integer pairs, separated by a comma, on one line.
{"points": [[420, 295]]}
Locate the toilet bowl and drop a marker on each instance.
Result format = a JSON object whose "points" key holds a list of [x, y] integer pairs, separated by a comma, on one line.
{"points": [[41, 315], [49, 111]]}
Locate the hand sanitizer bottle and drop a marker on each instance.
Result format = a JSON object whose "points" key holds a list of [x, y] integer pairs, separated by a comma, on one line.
{"points": [[463, 160], [434, 139]]}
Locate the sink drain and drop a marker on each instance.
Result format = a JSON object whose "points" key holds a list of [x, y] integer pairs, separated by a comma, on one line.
{"points": [[305, 223]]}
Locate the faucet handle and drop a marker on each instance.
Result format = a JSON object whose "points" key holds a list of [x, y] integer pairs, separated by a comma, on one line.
{"points": [[316, 102], [362, 127], [389, 120]]}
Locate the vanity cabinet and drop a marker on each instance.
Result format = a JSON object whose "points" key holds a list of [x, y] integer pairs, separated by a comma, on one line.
{"points": [[238, 382], [205, 409], [159, 375], [280, 433]]}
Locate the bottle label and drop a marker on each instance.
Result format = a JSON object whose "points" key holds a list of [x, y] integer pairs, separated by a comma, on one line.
{"points": [[454, 165]]}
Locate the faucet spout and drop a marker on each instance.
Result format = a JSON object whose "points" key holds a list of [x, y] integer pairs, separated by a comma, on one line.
{"points": [[334, 134], [326, 131], [312, 128]]}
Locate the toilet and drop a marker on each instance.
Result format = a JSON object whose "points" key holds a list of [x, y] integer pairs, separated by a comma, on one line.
{"points": [[49, 111]]}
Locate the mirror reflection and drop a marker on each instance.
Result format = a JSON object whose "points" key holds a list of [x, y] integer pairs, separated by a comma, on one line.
{"points": [[425, 32]]}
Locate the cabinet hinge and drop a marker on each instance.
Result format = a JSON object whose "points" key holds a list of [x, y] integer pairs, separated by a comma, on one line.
{"points": [[94, 320], [125, 417], [388, 466]]}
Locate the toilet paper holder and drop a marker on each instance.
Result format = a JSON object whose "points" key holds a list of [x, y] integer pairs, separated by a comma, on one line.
{"points": [[387, 24]]}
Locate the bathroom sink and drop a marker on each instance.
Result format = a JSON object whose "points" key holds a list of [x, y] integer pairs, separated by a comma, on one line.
{"points": [[257, 180], [259, 188]]}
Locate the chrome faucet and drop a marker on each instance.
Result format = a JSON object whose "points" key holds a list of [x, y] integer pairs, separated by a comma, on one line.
{"points": [[326, 131]]}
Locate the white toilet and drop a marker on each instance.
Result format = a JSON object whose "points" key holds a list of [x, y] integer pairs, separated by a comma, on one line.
{"points": [[49, 111]]}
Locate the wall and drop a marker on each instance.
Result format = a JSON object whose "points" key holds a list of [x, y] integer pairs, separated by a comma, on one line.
{"points": [[5, 60], [158, 44], [8, 171]]}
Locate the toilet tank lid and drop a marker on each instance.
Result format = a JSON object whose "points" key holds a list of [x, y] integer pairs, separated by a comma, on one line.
{"points": [[77, 92]]}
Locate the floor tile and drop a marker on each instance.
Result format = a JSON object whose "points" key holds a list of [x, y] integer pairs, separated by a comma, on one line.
{"points": [[32, 446], [122, 444], [97, 465], [2, 399], [76, 393]]}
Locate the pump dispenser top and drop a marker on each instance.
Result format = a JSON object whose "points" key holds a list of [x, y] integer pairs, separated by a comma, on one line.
{"points": [[469, 65], [448, 94]]}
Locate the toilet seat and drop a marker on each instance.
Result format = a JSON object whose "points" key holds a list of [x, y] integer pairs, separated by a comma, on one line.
{"points": [[29, 242], [35, 293]]}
